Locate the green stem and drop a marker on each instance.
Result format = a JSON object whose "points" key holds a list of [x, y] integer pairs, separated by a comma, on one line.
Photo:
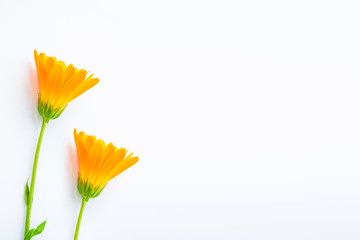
{"points": [[79, 219], [33, 178]]}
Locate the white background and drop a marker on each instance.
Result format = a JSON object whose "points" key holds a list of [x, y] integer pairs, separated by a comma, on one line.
{"points": [[245, 116]]}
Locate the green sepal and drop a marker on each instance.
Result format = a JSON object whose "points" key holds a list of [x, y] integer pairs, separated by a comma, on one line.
{"points": [[35, 231], [47, 111], [27, 191], [86, 189]]}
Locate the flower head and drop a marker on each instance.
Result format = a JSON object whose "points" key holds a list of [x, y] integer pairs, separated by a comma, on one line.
{"points": [[99, 163], [59, 85]]}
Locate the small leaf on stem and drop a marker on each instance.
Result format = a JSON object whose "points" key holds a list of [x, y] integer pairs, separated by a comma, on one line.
{"points": [[27, 191], [35, 231]]}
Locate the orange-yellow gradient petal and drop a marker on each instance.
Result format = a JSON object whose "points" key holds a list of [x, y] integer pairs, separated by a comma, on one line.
{"points": [[60, 84], [98, 162]]}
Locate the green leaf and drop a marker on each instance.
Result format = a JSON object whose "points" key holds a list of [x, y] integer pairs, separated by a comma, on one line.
{"points": [[27, 191], [35, 231], [29, 234], [40, 228]]}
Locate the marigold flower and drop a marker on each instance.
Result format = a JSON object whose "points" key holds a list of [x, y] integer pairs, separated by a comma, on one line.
{"points": [[59, 85], [99, 163]]}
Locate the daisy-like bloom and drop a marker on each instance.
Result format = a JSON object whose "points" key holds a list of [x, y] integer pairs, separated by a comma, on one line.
{"points": [[59, 84], [98, 164]]}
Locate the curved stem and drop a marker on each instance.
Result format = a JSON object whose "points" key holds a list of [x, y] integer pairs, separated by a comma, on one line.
{"points": [[79, 219], [33, 178]]}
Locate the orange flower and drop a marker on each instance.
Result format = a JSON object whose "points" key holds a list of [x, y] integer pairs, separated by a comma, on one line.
{"points": [[99, 163], [59, 85]]}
